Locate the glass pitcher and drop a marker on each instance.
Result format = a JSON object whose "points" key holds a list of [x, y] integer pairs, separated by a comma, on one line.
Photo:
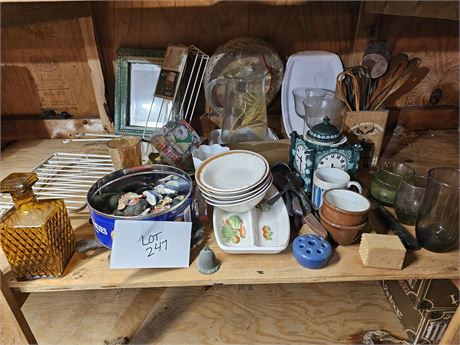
{"points": [[244, 111]]}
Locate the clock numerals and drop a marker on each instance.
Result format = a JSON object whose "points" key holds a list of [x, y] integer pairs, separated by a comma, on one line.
{"points": [[301, 159], [333, 160]]}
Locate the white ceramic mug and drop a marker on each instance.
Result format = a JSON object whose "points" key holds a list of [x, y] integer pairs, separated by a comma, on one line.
{"points": [[330, 178]]}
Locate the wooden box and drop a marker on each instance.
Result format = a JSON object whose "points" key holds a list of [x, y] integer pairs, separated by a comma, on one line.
{"points": [[368, 128]]}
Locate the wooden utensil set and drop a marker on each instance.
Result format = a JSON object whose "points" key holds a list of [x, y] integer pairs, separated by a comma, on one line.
{"points": [[359, 91]]}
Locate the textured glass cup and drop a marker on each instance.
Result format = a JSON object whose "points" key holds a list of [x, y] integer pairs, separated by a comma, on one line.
{"points": [[301, 93], [317, 108], [125, 152], [387, 179], [437, 220], [409, 196]]}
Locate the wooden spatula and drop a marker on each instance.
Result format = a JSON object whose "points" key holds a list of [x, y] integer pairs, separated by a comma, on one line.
{"points": [[396, 67], [412, 65]]}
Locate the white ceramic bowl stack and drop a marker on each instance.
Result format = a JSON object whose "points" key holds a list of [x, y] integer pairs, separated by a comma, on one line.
{"points": [[235, 181]]}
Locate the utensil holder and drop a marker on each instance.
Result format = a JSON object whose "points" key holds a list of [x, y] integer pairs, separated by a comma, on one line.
{"points": [[367, 128]]}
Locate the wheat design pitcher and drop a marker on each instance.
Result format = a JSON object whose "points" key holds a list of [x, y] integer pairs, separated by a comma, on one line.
{"points": [[244, 107]]}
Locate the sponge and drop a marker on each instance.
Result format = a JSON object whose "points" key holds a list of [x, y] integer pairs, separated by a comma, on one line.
{"points": [[383, 251]]}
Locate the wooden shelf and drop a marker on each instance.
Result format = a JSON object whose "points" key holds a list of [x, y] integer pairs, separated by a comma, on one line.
{"points": [[425, 9], [261, 314], [91, 271]]}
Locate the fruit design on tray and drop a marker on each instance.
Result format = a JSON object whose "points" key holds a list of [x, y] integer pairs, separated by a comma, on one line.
{"points": [[233, 229], [267, 232]]}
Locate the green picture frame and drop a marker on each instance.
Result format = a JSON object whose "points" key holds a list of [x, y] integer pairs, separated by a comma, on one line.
{"points": [[128, 61]]}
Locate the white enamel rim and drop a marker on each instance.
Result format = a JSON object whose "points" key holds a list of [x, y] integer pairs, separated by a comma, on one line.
{"points": [[237, 197], [347, 200], [210, 165], [215, 202], [329, 178], [232, 194], [282, 214], [243, 207]]}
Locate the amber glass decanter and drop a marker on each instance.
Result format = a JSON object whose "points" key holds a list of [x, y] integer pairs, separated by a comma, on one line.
{"points": [[36, 236]]}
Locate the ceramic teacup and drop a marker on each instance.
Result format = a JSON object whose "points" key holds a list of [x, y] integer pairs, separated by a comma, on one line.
{"points": [[325, 179], [341, 234], [345, 207]]}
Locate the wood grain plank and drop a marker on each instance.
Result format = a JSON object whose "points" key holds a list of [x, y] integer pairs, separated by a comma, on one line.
{"points": [[424, 150], [57, 72], [31, 129], [289, 27], [241, 314], [205, 27], [93, 272], [366, 30], [307, 26], [97, 79], [452, 333], [435, 41], [427, 9], [426, 117], [14, 329], [28, 13]]}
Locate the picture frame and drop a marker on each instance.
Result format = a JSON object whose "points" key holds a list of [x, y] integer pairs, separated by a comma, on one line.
{"points": [[136, 76]]}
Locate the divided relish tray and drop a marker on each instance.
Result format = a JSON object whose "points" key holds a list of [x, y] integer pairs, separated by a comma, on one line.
{"points": [[253, 231]]}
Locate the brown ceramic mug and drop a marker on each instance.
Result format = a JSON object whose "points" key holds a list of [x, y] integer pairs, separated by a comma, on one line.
{"points": [[345, 207], [343, 235]]}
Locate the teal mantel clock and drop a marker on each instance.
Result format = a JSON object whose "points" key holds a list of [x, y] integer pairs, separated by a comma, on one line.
{"points": [[323, 146]]}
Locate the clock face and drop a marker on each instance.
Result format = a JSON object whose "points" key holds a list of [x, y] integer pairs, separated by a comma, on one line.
{"points": [[333, 160], [300, 159]]}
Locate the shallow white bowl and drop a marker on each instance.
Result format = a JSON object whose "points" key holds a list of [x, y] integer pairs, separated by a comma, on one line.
{"points": [[237, 197], [239, 200], [242, 206], [232, 194], [232, 171]]}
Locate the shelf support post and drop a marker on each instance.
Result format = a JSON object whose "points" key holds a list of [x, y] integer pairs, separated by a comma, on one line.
{"points": [[14, 329]]}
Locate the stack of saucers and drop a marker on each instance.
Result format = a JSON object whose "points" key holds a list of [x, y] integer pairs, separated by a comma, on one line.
{"points": [[235, 181]]}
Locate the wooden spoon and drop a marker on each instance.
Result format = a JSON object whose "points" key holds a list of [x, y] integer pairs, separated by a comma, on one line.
{"points": [[396, 67], [412, 66]]}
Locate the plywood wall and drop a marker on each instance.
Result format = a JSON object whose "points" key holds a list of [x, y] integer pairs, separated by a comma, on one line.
{"points": [[436, 42], [45, 66], [33, 45], [306, 26]]}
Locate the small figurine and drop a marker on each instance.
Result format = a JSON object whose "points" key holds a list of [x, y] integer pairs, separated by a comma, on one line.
{"points": [[207, 262]]}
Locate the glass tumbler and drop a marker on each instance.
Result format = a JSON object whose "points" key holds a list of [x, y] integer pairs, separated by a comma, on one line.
{"points": [[317, 108], [125, 152], [409, 196], [437, 220], [301, 93], [386, 181]]}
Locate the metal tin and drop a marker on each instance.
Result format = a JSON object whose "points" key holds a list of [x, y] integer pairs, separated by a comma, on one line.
{"points": [[117, 181]]}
